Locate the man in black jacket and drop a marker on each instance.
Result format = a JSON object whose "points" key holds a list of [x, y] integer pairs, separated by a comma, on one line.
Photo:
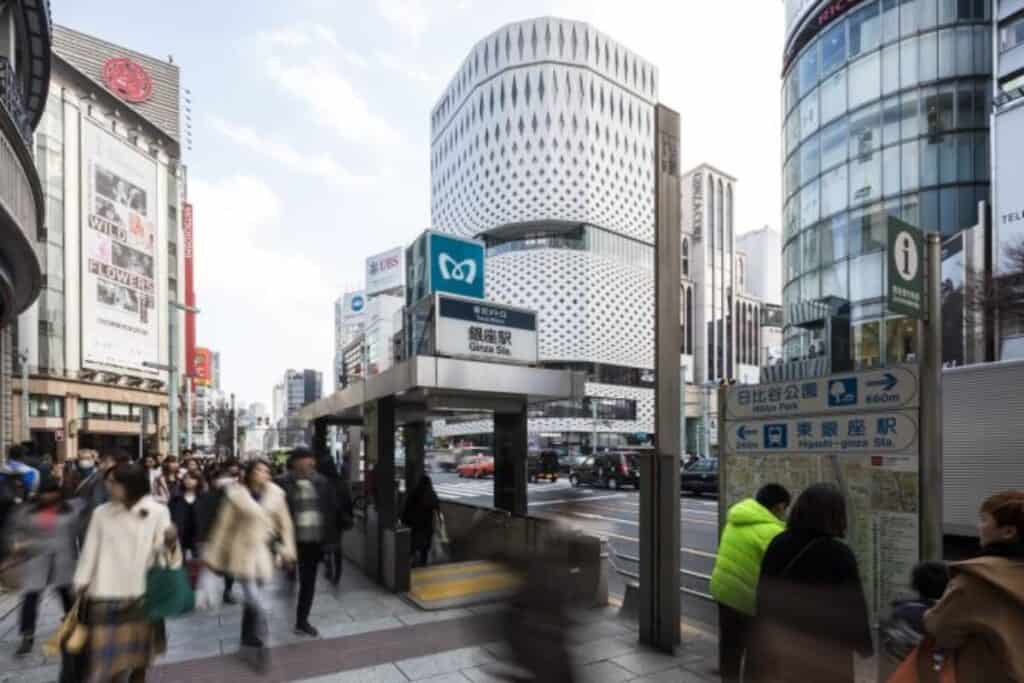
{"points": [[313, 504]]}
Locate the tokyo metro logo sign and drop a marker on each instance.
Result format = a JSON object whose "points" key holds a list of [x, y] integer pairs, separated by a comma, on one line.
{"points": [[460, 271], [456, 266]]}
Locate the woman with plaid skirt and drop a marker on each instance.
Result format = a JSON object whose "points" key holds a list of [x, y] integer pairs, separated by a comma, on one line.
{"points": [[126, 537]]}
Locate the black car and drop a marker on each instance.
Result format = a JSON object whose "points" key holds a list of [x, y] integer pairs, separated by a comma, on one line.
{"points": [[699, 477], [611, 470], [543, 465]]}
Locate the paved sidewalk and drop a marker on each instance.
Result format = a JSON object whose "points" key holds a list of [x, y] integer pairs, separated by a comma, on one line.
{"points": [[370, 635]]}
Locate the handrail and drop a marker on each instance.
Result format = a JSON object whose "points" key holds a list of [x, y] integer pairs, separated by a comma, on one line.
{"points": [[13, 101], [615, 554]]}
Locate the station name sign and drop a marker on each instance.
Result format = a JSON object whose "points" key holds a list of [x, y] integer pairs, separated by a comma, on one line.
{"points": [[479, 330], [885, 432]]}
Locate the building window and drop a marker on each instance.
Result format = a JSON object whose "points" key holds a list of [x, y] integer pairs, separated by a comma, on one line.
{"points": [[1011, 34], [740, 280], [684, 265], [45, 406]]}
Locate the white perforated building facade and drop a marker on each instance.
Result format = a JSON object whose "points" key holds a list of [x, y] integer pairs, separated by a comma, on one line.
{"points": [[542, 145]]}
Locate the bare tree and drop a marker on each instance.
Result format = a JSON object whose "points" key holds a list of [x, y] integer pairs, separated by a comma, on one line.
{"points": [[998, 296]]}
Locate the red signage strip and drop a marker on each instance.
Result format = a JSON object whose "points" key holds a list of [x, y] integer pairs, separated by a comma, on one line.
{"points": [[829, 12], [190, 293]]}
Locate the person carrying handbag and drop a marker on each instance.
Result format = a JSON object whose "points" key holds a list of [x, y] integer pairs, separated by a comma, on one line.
{"points": [[126, 538]]}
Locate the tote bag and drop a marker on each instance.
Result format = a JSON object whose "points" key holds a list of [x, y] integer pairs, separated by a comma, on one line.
{"points": [[168, 593]]}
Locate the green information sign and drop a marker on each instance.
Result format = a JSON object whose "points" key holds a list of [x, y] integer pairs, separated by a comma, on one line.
{"points": [[905, 271]]}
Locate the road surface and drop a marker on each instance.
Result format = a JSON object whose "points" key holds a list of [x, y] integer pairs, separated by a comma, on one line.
{"points": [[615, 516]]}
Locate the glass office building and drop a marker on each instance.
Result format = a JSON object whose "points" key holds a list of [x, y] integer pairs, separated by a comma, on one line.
{"points": [[886, 113]]}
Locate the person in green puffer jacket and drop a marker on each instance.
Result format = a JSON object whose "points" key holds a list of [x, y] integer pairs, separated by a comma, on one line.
{"points": [[750, 526]]}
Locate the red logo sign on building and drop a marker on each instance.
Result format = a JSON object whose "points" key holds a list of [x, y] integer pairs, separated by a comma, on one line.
{"points": [[127, 79]]}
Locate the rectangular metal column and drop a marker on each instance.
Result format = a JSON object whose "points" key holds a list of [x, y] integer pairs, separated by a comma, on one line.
{"points": [[931, 407], [510, 445], [659, 483], [415, 451], [320, 437], [380, 423]]}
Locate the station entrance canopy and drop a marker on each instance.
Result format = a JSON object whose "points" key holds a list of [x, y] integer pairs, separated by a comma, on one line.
{"points": [[425, 387]]}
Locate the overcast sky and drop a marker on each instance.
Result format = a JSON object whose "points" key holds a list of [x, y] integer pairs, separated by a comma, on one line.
{"points": [[311, 137]]}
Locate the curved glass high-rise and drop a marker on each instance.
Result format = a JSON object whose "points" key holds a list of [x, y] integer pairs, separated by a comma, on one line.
{"points": [[886, 112]]}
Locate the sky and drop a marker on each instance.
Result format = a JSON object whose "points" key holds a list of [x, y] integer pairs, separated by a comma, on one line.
{"points": [[310, 136]]}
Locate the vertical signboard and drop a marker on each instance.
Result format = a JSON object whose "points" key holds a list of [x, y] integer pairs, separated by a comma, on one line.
{"points": [[858, 431], [202, 362], [953, 301], [120, 319], [1008, 187], [905, 270], [190, 292]]}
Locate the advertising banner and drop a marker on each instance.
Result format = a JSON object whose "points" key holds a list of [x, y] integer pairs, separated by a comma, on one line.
{"points": [[353, 308], [1009, 186], [190, 292], [120, 319], [385, 272], [480, 330], [202, 361]]}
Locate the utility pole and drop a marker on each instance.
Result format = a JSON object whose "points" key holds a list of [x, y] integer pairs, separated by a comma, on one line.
{"points": [[188, 412], [171, 368], [26, 430], [234, 429]]}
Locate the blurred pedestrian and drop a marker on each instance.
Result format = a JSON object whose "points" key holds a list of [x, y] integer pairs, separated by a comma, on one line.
{"points": [[812, 615], [750, 527], [152, 465], [21, 463], [93, 491], [184, 514], [903, 630], [126, 537], [420, 509], [252, 532], [344, 512], [980, 618], [207, 509], [168, 484], [42, 535], [313, 504], [77, 470]]}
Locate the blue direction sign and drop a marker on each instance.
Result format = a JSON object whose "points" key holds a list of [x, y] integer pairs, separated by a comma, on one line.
{"points": [[875, 432], [894, 388]]}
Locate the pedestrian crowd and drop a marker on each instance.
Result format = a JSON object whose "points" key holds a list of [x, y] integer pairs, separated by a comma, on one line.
{"points": [[104, 531], [792, 605]]}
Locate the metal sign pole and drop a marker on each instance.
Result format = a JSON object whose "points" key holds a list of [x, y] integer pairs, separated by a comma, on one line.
{"points": [[659, 473], [931, 408]]}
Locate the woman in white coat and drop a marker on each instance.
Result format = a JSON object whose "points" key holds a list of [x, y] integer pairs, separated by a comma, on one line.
{"points": [[126, 537], [252, 534]]}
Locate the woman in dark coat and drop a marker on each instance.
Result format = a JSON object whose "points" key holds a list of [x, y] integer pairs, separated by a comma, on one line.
{"points": [[812, 614], [419, 516]]}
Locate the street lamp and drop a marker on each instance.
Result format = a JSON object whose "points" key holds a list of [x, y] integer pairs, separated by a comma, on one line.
{"points": [[172, 370]]}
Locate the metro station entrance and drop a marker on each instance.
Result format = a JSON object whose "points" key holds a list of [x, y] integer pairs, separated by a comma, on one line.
{"points": [[408, 396]]}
